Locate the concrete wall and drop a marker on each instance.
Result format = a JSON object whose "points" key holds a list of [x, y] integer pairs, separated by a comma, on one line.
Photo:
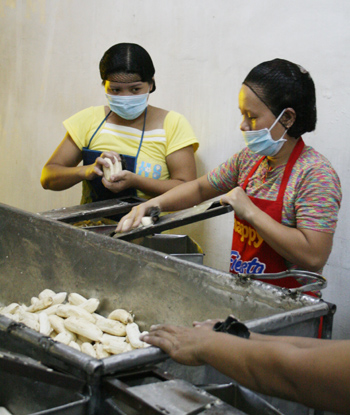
{"points": [[202, 50]]}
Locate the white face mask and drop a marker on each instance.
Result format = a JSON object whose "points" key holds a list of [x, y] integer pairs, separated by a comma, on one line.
{"points": [[128, 107], [261, 142]]}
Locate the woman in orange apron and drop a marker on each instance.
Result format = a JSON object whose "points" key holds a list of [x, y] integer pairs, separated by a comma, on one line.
{"points": [[285, 195], [250, 256]]}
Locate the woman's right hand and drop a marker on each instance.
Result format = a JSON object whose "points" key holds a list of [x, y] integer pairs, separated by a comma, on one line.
{"points": [[133, 219]]}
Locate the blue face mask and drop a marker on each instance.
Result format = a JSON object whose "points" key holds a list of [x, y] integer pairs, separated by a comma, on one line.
{"points": [[261, 142], [128, 107]]}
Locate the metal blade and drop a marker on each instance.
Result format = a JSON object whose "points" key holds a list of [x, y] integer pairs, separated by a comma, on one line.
{"points": [[174, 220]]}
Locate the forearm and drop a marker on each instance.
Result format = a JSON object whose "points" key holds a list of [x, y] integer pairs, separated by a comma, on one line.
{"points": [[180, 197], [186, 195], [291, 243], [246, 361], [56, 177], [155, 187], [314, 376], [300, 342]]}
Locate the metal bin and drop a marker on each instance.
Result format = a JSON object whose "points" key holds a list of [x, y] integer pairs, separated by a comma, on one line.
{"points": [[29, 388], [38, 253], [179, 246]]}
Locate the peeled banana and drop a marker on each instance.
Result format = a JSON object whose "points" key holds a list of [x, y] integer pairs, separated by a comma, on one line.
{"points": [[67, 310], [73, 321], [145, 221], [44, 324], [84, 328], [111, 326], [89, 349], [4, 411], [121, 315], [75, 345], [100, 351], [64, 337], [40, 304], [133, 333], [76, 299], [113, 168], [90, 305], [46, 293]]}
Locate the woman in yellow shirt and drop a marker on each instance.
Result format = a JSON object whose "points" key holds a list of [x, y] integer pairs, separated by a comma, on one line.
{"points": [[156, 146]]}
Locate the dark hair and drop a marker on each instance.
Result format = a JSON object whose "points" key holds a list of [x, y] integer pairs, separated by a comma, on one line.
{"points": [[281, 84], [128, 58]]}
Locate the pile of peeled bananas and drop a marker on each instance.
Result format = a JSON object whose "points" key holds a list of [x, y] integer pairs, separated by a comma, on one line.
{"points": [[72, 320]]}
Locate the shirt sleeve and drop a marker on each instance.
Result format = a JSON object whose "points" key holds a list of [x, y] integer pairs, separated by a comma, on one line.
{"points": [[225, 177], [81, 126], [318, 199], [179, 133]]}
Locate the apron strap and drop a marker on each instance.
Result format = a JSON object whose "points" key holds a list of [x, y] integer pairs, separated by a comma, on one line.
{"points": [[287, 171], [143, 132], [93, 135], [252, 171], [289, 167]]}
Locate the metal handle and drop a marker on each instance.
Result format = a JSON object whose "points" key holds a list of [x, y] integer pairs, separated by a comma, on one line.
{"points": [[313, 286]]}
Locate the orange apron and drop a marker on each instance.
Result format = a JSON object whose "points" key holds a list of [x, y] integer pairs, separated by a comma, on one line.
{"points": [[250, 254]]}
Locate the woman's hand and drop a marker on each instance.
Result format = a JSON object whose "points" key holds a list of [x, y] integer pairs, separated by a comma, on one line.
{"points": [[96, 169], [133, 218], [121, 181], [240, 202], [304, 247], [181, 343]]}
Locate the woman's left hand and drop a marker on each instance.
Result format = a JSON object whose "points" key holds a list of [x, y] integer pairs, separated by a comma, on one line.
{"points": [[121, 181], [240, 202]]}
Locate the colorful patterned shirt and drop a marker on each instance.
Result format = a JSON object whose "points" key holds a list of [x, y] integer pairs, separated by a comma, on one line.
{"points": [[313, 194]]}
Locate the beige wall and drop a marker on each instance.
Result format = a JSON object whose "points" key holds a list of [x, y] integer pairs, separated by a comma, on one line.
{"points": [[49, 54]]}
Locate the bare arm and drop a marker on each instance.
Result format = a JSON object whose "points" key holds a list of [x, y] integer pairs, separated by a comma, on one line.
{"points": [[182, 169], [180, 197], [62, 171], [306, 248], [314, 376], [300, 342]]}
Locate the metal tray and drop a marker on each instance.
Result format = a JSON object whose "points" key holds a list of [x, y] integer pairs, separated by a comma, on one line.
{"points": [[30, 388], [103, 208]]}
